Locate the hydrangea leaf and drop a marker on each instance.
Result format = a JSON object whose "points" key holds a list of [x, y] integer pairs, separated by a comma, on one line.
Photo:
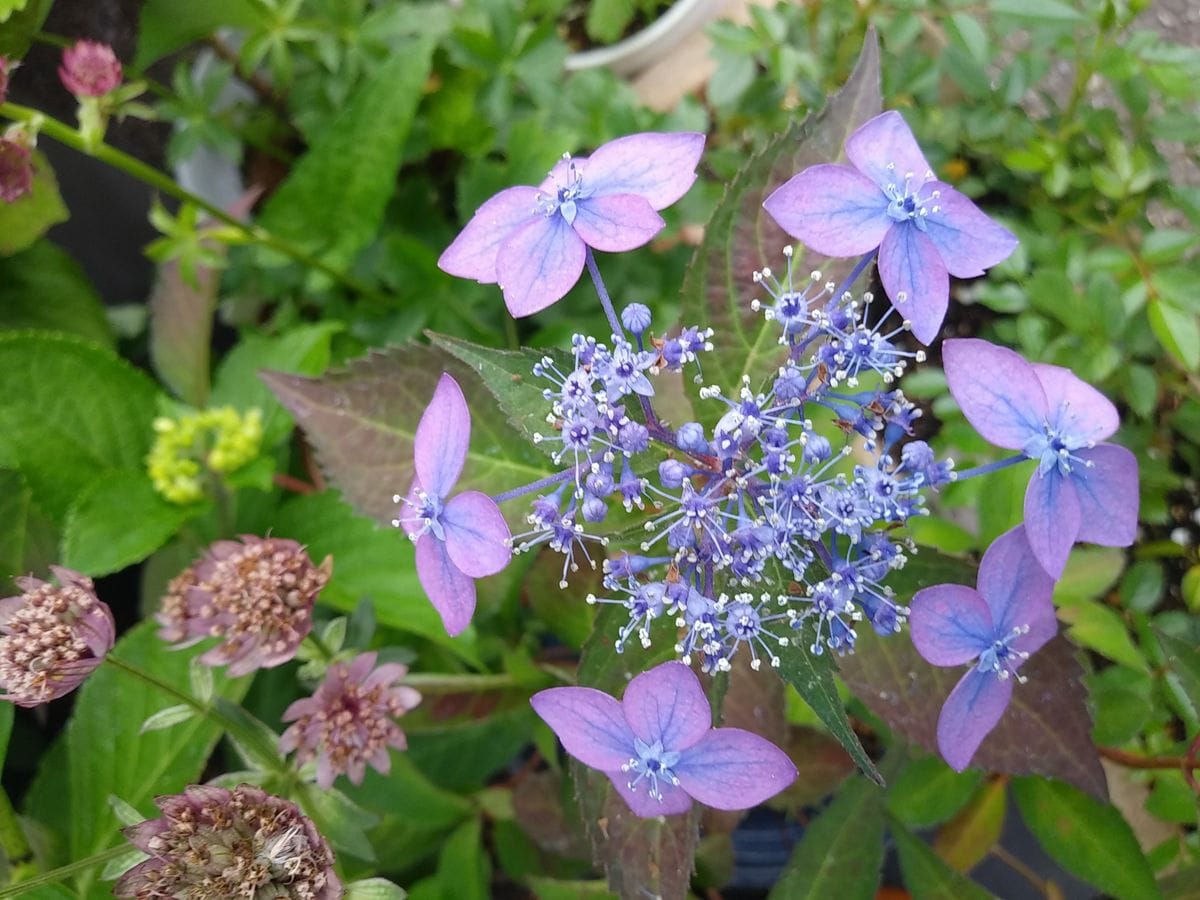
{"points": [[927, 792], [926, 876], [1047, 727], [106, 755], [24, 221], [28, 539], [118, 520], [72, 412], [638, 855], [340, 188], [43, 288], [841, 853], [967, 838], [1089, 839], [362, 419], [741, 238]]}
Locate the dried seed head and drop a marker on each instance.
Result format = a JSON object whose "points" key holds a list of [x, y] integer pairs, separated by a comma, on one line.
{"points": [[90, 69], [53, 636], [256, 594], [213, 844], [348, 723]]}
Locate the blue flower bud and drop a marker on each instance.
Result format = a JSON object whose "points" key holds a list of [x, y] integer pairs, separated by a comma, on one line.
{"points": [[690, 437], [671, 472], [636, 317]]}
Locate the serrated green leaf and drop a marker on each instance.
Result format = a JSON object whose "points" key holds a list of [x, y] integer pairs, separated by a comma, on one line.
{"points": [[1087, 838], [119, 520], [106, 753], [740, 238], [24, 221], [43, 288], [1183, 659], [166, 26], [926, 876], [1102, 629], [362, 419], [463, 756], [181, 322], [841, 853], [340, 188], [301, 351], [28, 539], [73, 412]]}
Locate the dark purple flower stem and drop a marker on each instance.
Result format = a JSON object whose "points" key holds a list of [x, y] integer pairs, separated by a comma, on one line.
{"points": [[859, 268], [990, 467], [617, 330], [548, 481]]}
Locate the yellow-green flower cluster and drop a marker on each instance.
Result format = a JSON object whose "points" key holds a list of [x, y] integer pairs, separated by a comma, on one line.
{"points": [[220, 440]]}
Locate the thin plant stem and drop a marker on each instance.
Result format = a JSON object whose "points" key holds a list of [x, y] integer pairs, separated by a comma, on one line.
{"points": [[548, 481], [134, 167], [605, 301], [62, 873], [1137, 761], [1045, 888], [990, 467]]}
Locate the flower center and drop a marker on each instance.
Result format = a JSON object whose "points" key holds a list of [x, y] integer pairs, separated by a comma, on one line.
{"points": [[653, 764], [565, 195], [906, 203], [1002, 658]]}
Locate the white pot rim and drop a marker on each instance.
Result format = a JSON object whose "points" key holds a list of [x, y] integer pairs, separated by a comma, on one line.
{"points": [[648, 46]]}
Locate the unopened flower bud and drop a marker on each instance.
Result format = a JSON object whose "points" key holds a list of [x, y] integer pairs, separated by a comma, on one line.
{"points": [[90, 69], [16, 170], [53, 637], [636, 317], [671, 472], [690, 437]]}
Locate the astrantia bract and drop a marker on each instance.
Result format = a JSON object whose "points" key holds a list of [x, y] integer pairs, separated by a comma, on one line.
{"points": [[533, 240]]}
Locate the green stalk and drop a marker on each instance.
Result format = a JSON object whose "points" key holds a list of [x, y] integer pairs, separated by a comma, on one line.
{"points": [[62, 873], [72, 138], [12, 840]]}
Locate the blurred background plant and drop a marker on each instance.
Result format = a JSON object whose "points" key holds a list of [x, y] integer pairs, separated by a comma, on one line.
{"points": [[326, 151]]}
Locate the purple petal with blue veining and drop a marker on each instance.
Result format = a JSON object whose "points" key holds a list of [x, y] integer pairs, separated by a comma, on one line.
{"points": [[971, 711], [915, 279], [1051, 519], [1017, 590], [950, 624], [616, 222], [884, 141], [1075, 407], [832, 209], [997, 390], [967, 240], [674, 799], [667, 704], [734, 769], [442, 438], [473, 253], [450, 591], [1108, 495], [589, 723], [538, 264], [658, 166], [476, 534]]}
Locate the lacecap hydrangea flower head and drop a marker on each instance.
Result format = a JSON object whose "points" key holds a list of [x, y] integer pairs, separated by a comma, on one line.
{"points": [[658, 747], [889, 200], [533, 241]]}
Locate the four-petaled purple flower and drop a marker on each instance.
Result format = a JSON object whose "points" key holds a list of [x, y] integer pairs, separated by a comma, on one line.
{"points": [[888, 198], [1082, 490], [533, 240], [658, 745], [460, 539], [996, 626]]}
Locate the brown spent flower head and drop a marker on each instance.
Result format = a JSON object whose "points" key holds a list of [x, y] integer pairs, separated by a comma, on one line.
{"points": [[215, 844], [53, 636], [90, 69], [257, 594], [16, 170], [348, 723]]}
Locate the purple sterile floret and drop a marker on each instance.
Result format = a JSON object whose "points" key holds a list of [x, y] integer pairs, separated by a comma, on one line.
{"points": [[996, 626], [888, 198], [457, 539], [1082, 490], [533, 240], [658, 746]]}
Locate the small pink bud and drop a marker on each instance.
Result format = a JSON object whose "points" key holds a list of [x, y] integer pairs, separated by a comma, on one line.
{"points": [[90, 69], [16, 171]]}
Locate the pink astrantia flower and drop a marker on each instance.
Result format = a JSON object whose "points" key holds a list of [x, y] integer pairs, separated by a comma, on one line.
{"points": [[90, 69], [213, 842], [51, 637], [16, 170], [995, 626], [888, 199], [256, 594], [349, 723], [460, 539], [658, 746], [1082, 490], [533, 240]]}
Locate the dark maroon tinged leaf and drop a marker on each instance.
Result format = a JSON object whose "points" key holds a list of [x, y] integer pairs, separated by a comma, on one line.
{"points": [[821, 766], [181, 319], [361, 420], [1045, 731], [641, 857], [740, 238]]}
